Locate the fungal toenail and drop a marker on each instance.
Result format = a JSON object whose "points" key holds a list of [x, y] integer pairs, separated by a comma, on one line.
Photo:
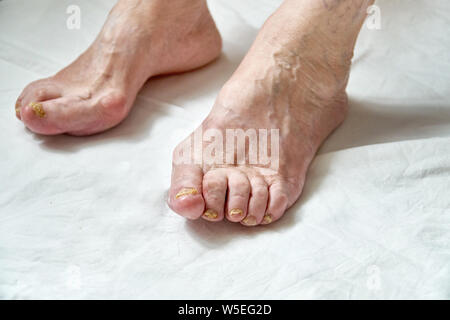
{"points": [[210, 214], [38, 110], [17, 110], [267, 219], [235, 212], [249, 221], [186, 192]]}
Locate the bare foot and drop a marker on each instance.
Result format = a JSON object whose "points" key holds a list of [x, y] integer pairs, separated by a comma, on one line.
{"points": [[140, 39], [293, 79]]}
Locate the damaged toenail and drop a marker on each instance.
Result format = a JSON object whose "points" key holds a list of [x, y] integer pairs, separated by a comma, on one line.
{"points": [[38, 110], [18, 107], [235, 212], [249, 221], [267, 219], [210, 214], [186, 192]]}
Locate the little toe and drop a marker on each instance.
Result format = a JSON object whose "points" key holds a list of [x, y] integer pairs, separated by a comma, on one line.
{"points": [[214, 193], [185, 196], [257, 204], [237, 196], [18, 104], [17, 107]]}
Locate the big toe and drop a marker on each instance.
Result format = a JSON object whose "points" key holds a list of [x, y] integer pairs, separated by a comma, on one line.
{"points": [[36, 92], [73, 115], [185, 195]]}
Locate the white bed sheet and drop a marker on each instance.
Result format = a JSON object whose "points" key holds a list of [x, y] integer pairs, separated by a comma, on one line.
{"points": [[87, 218]]}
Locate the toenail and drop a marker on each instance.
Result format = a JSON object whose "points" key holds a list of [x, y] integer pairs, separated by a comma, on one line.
{"points": [[210, 214], [236, 212], [17, 107], [267, 219], [38, 110], [186, 192], [249, 221]]}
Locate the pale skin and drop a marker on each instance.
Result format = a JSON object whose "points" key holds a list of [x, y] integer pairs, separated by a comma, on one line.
{"points": [[293, 78]]}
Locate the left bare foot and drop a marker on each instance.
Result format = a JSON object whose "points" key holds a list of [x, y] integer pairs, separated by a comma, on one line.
{"points": [[293, 79]]}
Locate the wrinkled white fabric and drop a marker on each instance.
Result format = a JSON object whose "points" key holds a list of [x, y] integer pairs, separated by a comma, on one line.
{"points": [[87, 217]]}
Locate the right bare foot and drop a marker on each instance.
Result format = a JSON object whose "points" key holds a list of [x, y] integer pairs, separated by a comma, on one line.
{"points": [[292, 80], [140, 39]]}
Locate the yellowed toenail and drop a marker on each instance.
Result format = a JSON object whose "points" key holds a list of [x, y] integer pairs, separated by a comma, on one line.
{"points": [[267, 219], [38, 110], [236, 212], [210, 214], [249, 221], [17, 110], [186, 192]]}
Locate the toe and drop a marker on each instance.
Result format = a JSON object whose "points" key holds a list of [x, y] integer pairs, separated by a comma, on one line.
{"points": [[19, 103], [42, 93], [257, 204], [17, 107], [214, 193], [278, 203], [40, 117], [73, 115], [185, 196], [35, 92], [238, 195], [52, 116]]}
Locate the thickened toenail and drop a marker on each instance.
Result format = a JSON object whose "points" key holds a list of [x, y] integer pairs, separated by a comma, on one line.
{"points": [[38, 110], [249, 221], [267, 219], [210, 214], [236, 212], [17, 107], [186, 192]]}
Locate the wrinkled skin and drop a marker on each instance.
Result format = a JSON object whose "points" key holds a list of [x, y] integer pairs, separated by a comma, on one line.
{"points": [[293, 78]]}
